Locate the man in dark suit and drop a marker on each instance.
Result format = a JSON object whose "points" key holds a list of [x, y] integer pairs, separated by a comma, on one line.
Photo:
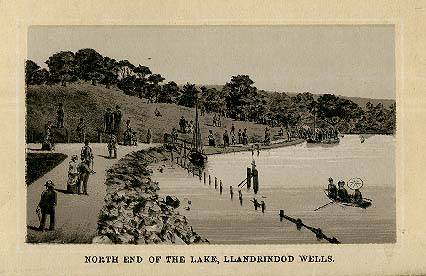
{"points": [[47, 205]]}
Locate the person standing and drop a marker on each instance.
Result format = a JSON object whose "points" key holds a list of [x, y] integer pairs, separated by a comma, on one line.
{"points": [[108, 121], [225, 139], [245, 137], [148, 136], [211, 139], [48, 137], [47, 206], [81, 131], [240, 137], [112, 146], [84, 173], [72, 184], [60, 116], [117, 120], [232, 129], [87, 154]]}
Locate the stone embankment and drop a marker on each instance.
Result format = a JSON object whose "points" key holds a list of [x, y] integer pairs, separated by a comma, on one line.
{"points": [[134, 213]]}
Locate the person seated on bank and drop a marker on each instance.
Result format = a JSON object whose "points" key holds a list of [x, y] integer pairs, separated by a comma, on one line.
{"points": [[342, 193], [157, 113], [357, 195], [332, 189]]}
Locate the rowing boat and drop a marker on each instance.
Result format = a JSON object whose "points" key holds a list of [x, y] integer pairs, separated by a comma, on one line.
{"points": [[364, 203]]}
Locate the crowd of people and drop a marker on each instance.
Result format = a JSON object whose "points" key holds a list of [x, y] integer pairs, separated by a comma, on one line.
{"points": [[230, 138], [320, 134]]}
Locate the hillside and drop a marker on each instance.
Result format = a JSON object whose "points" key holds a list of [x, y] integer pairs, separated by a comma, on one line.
{"points": [[90, 102]]}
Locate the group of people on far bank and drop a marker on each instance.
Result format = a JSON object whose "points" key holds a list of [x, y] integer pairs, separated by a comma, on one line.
{"points": [[231, 138]]}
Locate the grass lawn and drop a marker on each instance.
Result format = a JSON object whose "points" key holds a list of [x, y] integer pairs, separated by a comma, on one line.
{"points": [[40, 163]]}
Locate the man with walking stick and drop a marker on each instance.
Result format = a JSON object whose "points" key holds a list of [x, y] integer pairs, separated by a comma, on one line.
{"points": [[47, 206]]}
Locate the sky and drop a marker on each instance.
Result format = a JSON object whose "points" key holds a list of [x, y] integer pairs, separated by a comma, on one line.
{"points": [[346, 60]]}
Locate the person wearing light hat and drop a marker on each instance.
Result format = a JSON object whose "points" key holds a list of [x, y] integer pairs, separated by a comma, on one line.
{"points": [[72, 183], [47, 205]]}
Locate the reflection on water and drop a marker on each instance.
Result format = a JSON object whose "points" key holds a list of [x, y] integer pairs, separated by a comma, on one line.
{"points": [[292, 178]]}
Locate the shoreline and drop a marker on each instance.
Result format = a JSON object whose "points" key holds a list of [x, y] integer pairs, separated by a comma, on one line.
{"points": [[240, 148]]}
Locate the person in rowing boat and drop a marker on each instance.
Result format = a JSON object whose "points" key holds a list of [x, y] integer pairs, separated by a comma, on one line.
{"points": [[342, 193], [357, 196], [332, 189]]}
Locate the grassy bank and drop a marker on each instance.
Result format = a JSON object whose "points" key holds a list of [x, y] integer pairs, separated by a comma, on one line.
{"points": [[40, 163], [90, 102]]}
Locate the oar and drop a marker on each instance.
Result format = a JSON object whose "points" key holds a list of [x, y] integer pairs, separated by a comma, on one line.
{"points": [[331, 202]]}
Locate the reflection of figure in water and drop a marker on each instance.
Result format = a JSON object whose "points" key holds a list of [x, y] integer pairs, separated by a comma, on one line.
{"points": [[60, 116], [240, 197], [263, 206], [255, 203], [332, 190]]}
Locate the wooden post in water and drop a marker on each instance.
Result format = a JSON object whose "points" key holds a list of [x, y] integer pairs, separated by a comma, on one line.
{"points": [[210, 181], [248, 178], [231, 192], [215, 183], [255, 181], [204, 177], [220, 187]]}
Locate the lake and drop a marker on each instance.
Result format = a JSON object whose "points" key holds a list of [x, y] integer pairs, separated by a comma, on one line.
{"points": [[291, 178]]}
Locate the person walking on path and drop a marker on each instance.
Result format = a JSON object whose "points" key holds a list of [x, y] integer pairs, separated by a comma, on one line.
{"points": [[47, 206], [72, 184], [60, 116], [84, 173], [81, 131], [87, 154]]}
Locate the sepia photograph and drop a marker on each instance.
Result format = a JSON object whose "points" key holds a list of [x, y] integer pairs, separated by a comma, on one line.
{"points": [[268, 134]]}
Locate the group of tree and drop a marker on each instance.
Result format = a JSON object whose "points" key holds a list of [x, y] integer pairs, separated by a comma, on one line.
{"points": [[238, 99]]}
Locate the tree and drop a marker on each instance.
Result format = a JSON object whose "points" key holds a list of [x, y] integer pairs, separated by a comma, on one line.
{"points": [[125, 69], [62, 67], [40, 76], [237, 91], [188, 97], [110, 73], [212, 100], [141, 83], [30, 69], [90, 65], [153, 86], [169, 93], [127, 85], [332, 109]]}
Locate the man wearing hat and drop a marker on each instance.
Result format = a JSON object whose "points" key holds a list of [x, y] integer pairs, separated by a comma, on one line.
{"points": [[342, 193], [47, 205]]}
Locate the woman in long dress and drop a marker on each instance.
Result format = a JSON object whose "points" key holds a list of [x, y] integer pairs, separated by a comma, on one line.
{"points": [[72, 184]]}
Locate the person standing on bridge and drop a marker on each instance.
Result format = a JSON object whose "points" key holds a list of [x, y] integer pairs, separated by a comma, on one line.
{"points": [[47, 205]]}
